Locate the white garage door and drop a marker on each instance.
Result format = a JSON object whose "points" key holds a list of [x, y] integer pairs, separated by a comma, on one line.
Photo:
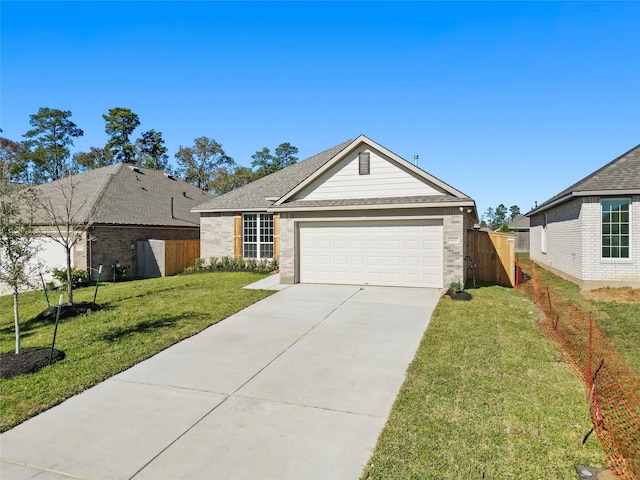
{"points": [[394, 253], [51, 255]]}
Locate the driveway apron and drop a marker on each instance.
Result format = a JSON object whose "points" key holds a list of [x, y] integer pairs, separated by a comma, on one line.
{"points": [[296, 386]]}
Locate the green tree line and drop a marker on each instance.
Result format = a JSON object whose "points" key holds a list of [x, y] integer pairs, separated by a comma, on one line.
{"points": [[45, 155], [498, 219]]}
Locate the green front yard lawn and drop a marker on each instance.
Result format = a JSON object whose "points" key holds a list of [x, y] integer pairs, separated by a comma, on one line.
{"points": [[620, 322], [487, 396], [139, 319]]}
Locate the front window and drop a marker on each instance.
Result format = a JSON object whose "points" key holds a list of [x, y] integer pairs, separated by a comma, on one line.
{"points": [[615, 228], [257, 235]]}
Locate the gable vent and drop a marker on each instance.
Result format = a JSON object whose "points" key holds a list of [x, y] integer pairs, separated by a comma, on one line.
{"points": [[364, 163]]}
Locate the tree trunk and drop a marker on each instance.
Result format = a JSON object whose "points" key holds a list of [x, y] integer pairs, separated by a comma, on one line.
{"points": [[16, 318], [69, 285]]}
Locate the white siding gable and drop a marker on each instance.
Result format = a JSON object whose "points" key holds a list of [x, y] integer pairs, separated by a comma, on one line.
{"points": [[386, 179]]}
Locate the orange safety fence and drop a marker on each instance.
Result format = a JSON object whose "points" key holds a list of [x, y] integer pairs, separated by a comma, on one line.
{"points": [[612, 387]]}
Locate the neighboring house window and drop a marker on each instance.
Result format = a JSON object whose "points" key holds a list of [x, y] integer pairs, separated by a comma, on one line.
{"points": [[363, 163], [543, 240], [615, 228], [257, 235]]}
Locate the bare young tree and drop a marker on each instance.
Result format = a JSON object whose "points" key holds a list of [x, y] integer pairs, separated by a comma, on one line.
{"points": [[63, 217], [18, 245]]}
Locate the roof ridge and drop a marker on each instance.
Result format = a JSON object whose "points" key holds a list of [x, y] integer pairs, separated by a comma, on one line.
{"points": [[99, 195]]}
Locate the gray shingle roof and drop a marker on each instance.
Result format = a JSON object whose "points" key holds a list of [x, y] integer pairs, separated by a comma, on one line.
{"points": [[125, 195], [253, 196], [620, 175], [261, 194]]}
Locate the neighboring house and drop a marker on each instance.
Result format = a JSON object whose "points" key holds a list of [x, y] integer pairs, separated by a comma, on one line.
{"points": [[520, 225], [590, 232], [354, 214], [115, 207]]}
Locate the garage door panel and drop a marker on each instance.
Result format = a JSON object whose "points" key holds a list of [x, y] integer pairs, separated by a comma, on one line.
{"points": [[375, 253]]}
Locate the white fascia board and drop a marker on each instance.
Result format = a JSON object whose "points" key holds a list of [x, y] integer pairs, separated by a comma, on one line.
{"points": [[311, 178], [387, 206], [228, 210], [362, 139], [584, 193], [606, 193]]}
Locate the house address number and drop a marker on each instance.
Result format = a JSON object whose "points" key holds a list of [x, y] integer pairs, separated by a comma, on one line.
{"points": [[453, 239]]}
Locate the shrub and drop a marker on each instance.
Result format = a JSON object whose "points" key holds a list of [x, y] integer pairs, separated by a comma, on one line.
{"points": [[235, 264], [455, 287], [78, 277]]}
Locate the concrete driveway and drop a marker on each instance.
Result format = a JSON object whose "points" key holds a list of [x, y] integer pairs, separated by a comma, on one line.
{"points": [[297, 386]]}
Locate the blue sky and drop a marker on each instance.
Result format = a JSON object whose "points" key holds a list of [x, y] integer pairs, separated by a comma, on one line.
{"points": [[509, 102]]}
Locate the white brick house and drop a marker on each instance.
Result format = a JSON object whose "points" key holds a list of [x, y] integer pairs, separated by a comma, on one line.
{"points": [[354, 214], [590, 232]]}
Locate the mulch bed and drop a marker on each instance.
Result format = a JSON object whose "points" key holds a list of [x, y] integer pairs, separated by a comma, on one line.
{"points": [[66, 311], [32, 359], [458, 295], [29, 360]]}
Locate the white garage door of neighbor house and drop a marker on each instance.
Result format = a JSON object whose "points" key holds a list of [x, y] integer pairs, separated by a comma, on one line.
{"points": [[389, 253], [51, 255]]}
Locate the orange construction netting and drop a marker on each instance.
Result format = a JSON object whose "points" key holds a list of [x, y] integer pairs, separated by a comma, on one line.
{"points": [[612, 387]]}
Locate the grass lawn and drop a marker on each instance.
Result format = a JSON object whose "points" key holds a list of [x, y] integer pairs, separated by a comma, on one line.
{"points": [[139, 319], [619, 321], [487, 396]]}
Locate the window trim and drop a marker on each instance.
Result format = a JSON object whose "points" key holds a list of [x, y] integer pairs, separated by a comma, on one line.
{"points": [[618, 235], [264, 221]]}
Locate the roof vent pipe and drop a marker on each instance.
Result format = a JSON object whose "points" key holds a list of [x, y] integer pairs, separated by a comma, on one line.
{"points": [[415, 160], [172, 208]]}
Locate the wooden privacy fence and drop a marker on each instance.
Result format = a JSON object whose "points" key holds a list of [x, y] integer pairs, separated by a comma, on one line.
{"points": [[163, 258], [494, 256]]}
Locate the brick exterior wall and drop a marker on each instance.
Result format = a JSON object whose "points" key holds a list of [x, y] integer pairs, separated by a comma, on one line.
{"points": [[103, 244], [455, 224], [216, 235], [454, 227], [598, 271], [574, 245], [564, 238], [287, 248]]}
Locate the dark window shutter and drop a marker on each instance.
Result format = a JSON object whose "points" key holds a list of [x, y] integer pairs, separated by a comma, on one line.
{"points": [[363, 162]]}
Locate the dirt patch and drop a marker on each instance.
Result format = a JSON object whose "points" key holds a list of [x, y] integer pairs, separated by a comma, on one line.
{"points": [[29, 360], [608, 294]]}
